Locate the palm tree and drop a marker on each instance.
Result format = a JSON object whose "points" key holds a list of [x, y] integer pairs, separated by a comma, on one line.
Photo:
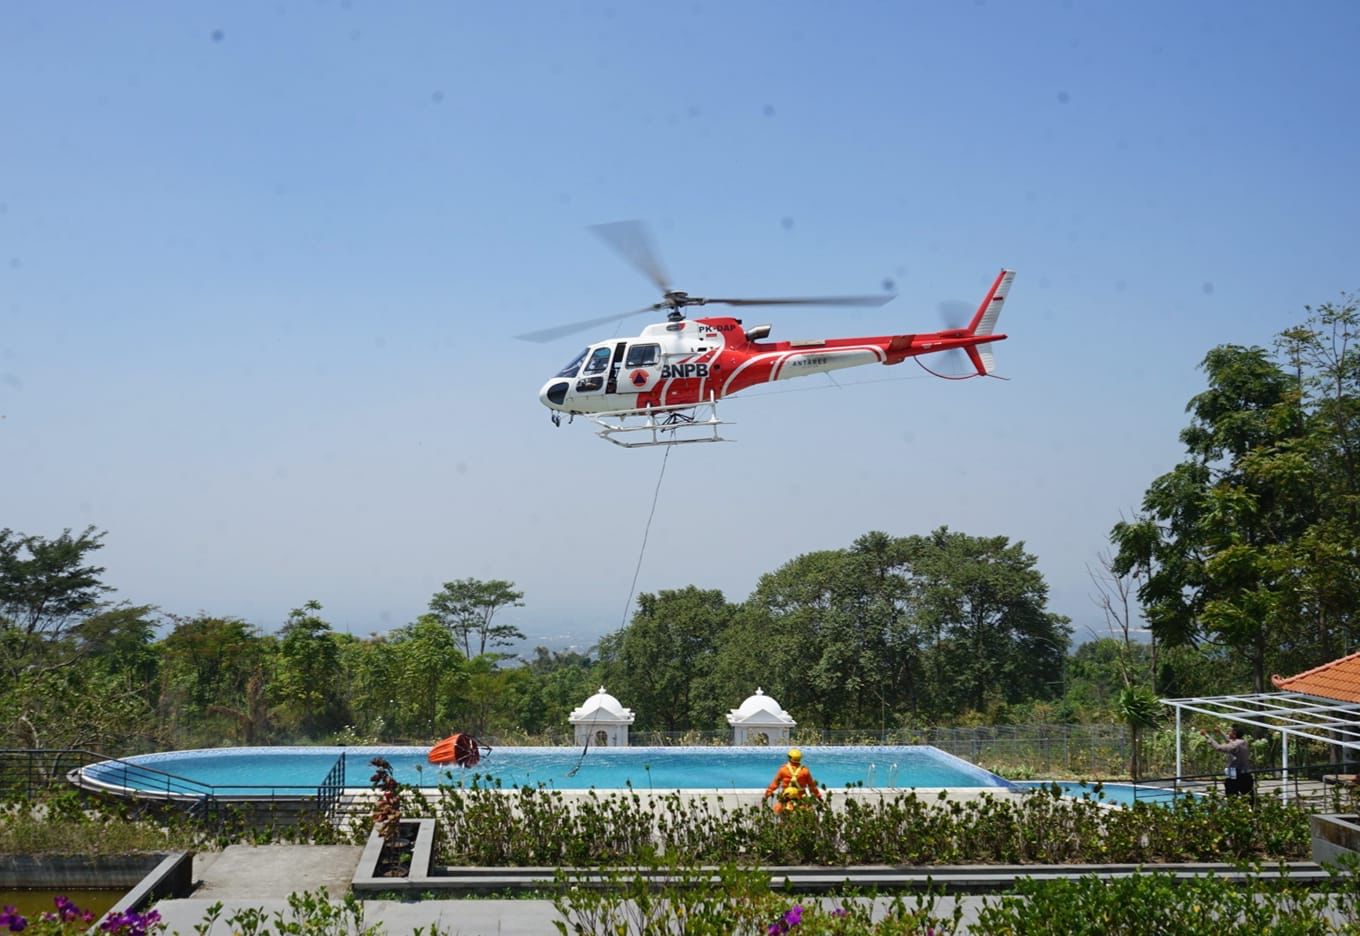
{"points": [[1139, 708]]}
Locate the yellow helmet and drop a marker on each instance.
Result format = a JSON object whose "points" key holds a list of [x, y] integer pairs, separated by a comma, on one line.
{"points": [[795, 754]]}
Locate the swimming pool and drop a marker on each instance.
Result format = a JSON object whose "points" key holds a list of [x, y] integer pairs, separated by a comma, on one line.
{"points": [[299, 770], [1122, 794]]}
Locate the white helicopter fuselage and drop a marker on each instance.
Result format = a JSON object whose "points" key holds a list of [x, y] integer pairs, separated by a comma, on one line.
{"points": [[693, 361]]}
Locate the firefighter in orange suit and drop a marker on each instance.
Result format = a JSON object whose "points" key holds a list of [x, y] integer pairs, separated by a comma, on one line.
{"points": [[792, 784]]}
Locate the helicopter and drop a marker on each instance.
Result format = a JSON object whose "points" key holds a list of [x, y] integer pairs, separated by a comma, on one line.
{"points": [[668, 380]]}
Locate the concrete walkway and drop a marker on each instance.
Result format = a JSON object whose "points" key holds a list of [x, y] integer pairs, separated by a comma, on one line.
{"points": [[244, 877], [490, 917], [245, 872], [460, 917]]}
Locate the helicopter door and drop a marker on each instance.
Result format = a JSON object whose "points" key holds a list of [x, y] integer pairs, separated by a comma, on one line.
{"points": [[642, 367], [595, 372], [613, 385]]}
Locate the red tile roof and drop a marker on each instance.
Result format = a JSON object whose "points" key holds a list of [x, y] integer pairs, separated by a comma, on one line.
{"points": [[1338, 680]]}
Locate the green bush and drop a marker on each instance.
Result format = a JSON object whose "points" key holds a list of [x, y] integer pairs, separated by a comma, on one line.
{"points": [[740, 901], [733, 901], [1155, 903], [538, 827]]}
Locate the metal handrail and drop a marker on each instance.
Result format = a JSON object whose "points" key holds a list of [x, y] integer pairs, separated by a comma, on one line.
{"points": [[173, 782], [167, 784], [1293, 775], [328, 793]]}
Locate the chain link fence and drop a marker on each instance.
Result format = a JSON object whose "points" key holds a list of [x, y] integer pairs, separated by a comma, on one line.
{"points": [[1039, 751]]}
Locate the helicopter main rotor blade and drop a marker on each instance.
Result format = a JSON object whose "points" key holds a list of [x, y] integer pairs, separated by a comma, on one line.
{"points": [[561, 331], [807, 300], [632, 240]]}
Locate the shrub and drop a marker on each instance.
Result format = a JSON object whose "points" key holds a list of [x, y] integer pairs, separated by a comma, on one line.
{"points": [[539, 827]]}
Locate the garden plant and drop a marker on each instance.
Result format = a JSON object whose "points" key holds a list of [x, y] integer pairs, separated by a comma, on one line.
{"points": [[487, 826]]}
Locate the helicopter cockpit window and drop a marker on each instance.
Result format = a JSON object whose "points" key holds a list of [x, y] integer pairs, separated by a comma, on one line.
{"points": [[599, 361], [575, 365], [643, 355]]}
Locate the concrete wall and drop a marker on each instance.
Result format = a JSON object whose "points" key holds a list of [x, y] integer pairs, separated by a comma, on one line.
{"points": [[77, 872], [775, 735], [615, 734], [1334, 836]]}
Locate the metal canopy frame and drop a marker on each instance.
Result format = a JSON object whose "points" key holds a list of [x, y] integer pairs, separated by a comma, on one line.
{"points": [[1291, 714]]}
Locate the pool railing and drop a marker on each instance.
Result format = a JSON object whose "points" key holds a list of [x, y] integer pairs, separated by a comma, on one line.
{"points": [[1331, 784], [27, 771]]}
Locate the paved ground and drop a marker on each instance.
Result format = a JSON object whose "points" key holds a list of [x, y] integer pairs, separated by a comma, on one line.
{"points": [[245, 872], [244, 877], [454, 917]]}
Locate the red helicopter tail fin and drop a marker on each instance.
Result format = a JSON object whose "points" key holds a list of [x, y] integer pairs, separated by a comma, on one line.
{"points": [[982, 359], [984, 320], [984, 323]]}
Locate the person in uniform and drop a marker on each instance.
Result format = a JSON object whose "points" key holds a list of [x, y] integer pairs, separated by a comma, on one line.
{"points": [[792, 784]]}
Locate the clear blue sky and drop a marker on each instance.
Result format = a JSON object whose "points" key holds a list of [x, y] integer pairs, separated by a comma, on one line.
{"points": [[260, 264]]}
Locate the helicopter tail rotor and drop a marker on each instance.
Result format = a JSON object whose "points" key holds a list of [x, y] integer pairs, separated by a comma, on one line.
{"points": [[954, 314], [960, 317]]}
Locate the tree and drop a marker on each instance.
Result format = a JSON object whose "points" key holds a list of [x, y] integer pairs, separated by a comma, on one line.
{"points": [[559, 682], [985, 603], [306, 682], [488, 693], [1324, 356], [1095, 673], [800, 642], [1199, 544], [1247, 543], [836, 634], [900, 629], [1141, 710], [1116, 597], [658, 658], [370, 671], [96, 689], [45, 587], [85, 708], [215, 666], [430, 675], [467, 606]]}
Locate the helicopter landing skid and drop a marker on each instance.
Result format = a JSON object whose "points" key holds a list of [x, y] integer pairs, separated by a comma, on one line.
{"points": [[666, 425]]}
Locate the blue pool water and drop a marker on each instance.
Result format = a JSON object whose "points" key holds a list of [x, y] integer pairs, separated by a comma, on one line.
{"points": [[298, 770], [1123, 794]]}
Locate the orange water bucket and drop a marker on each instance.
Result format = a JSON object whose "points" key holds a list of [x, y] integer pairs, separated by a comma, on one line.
{"points": [[460, 749]]}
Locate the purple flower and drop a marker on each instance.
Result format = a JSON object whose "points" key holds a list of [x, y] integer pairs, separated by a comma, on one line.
{"points": [[131, 923], [840, 912], [12, 920], [792, 917], [68, 912]]}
